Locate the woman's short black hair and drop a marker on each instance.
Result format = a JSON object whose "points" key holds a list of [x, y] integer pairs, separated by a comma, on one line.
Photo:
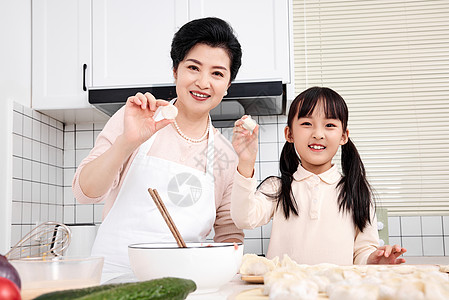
{"points": [[210, 31]]}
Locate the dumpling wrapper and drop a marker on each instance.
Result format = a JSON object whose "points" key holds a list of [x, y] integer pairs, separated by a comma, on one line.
{"points": [[249, 123], [169, 111]]}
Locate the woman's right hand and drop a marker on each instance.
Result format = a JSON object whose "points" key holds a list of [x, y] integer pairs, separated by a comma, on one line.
{"points": [[139, 124], [245, 144]]}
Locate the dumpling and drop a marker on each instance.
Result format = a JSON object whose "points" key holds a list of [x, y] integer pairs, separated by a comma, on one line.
{"points": [[347, 291], [249, 123], [293, 288], [253, 264], [169, 111]]}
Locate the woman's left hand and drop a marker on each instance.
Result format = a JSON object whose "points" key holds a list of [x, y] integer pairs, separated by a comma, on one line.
{"points": [[387, 255]]}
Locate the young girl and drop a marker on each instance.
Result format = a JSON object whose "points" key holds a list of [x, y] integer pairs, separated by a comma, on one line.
{"points": [[319, 215]]}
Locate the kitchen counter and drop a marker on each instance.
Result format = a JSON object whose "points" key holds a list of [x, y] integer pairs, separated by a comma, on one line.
{"points": [[228, 291]]}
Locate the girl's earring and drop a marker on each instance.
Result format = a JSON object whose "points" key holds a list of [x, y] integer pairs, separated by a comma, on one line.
{"points": [[226, 93]]}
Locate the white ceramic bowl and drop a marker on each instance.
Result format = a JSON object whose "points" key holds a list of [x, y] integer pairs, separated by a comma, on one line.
{"points": [[210, 265], [44, 275]]}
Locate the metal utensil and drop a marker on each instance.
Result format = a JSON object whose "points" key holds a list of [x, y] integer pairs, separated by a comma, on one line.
{"points": [[48, 239]]}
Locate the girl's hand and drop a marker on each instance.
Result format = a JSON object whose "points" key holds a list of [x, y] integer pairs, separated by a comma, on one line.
{"points": [[387, 255], [245, 144], [139, 123]]}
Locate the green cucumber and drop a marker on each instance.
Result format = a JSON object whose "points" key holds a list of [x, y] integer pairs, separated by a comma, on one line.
{"points": [[77, 293], [168, 288]]}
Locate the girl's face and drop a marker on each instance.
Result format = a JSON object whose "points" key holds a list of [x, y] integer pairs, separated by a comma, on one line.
{"points": [[316, 139], [202, 79]]}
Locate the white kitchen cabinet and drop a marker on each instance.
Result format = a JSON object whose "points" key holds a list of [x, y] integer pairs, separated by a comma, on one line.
{"points": [[132, 39], [61, 45], [92, 44], [262, 27], [132, 42]]}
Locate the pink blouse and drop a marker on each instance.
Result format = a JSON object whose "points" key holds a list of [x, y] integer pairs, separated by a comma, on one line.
{"points": [[320, 234]]}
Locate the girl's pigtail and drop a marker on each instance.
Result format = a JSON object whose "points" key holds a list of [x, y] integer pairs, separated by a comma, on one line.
{"points": [[355, 194], [288, 165]]}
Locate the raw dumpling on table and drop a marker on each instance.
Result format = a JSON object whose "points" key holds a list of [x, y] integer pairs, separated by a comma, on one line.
{"points": [[253, 264]]}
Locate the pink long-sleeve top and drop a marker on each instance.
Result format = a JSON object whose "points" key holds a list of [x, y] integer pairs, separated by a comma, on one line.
{"points": [[320, 234], [171, 146]]}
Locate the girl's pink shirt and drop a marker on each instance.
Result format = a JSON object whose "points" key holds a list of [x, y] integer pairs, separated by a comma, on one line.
{"points": [[320, 234], [171, 146]]}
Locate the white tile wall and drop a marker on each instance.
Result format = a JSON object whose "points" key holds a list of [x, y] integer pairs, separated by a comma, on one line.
{"points": [[446, 225], [255, 233], [268, 169], [413, 244], [253, 246], [394, 226], [432, 225], [98, 213], [411, 226], [268, 152], [47, 152], [421, 235], [267, 132], [69, 214], [265, 243], [84, 213], [266, 230], [446, 245], [395, 240], [84, 139], [433, 246], [37, 170]]}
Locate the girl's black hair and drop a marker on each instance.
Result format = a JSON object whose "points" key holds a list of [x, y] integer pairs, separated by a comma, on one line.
{"points": [[210, 31], [355, 194]]}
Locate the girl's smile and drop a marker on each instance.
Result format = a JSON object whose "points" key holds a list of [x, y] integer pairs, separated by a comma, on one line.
{"points": [[317, 147]]}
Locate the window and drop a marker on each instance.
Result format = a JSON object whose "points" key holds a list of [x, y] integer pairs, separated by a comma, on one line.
{"points": [[390, 62]]}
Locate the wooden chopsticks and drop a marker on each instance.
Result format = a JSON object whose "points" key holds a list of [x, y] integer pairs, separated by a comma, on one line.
{"points": [[164, 212]]}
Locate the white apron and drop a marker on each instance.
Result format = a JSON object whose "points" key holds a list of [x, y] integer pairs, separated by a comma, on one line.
{"points": [[187, 193]]}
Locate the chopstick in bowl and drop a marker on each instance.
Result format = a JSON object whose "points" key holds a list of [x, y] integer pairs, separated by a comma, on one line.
{"points": [[167, 218]]}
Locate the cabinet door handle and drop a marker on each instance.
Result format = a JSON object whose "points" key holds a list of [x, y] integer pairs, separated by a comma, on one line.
{"points": [[84, 77]]}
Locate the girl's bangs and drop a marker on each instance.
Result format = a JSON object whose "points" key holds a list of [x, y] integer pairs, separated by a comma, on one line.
{"points": [[334, 106]]}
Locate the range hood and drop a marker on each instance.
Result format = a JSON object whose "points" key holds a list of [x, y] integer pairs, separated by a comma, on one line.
{"points": [[251, 98]]}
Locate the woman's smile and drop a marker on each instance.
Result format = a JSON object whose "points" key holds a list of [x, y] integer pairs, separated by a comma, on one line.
{"points": [[199, 96]]}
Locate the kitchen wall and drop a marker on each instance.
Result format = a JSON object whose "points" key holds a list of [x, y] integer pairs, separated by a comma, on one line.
{"points": [[37, 170], [46, 153]]}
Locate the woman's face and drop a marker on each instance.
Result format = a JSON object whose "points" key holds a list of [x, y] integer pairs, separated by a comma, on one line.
{"points": [[202, 78]]}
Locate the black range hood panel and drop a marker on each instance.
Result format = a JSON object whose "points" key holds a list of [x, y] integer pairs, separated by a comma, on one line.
{"points": [[252, 98]]}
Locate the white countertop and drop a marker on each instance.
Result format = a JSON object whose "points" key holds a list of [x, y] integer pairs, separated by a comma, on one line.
{"points": [[230, 290], [236, 285], [227, 291]]}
